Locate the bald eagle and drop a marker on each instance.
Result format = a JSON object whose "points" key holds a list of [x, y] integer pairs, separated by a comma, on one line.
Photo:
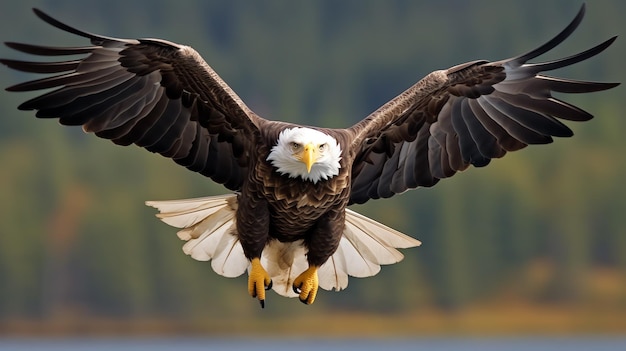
{"points": [[286, 222]]}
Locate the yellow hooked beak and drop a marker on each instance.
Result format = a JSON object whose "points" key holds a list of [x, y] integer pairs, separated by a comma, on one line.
{"points": [[309, 156]]}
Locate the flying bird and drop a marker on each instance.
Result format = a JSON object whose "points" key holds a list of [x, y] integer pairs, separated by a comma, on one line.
{"points": [[286, 221]]}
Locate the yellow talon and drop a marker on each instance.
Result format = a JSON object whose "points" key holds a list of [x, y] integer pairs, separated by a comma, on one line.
{"points": [[306, 285], [258, 281]]}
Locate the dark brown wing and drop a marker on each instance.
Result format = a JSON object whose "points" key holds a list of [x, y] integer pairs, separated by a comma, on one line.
{"points": [[153, 93], [465, 115]]}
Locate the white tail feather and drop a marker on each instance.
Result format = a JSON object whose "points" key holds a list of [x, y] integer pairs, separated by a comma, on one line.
{"points": [[176, 209], [208, 226], [284, 262]]}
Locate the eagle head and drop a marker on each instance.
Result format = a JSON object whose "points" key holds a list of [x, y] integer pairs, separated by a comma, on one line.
{"points": [[306, 153]]}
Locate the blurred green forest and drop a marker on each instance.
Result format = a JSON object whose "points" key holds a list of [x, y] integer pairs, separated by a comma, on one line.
{"points": [[545, 225]]}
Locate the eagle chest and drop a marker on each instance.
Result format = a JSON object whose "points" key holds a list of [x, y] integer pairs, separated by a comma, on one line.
{"points": [[301, 197], [296, 205]]}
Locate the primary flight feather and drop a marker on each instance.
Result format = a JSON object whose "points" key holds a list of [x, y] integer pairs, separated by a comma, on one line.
{"points": [[286, 222]]}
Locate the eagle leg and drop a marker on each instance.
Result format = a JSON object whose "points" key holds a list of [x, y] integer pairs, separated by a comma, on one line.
{"points": [[258, 281], [306, 285]]}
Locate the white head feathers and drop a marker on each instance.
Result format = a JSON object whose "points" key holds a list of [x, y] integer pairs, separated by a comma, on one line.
{"points": [[306, 153]]}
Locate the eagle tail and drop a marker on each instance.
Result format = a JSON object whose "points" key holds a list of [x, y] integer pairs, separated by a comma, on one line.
{"points": [[365, 245], [208, 227]]}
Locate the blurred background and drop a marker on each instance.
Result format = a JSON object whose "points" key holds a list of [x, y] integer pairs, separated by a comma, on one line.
{"points": [[535, 243]]}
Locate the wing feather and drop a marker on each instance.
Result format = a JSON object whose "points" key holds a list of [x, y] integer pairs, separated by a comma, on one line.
{"points": [[466, 115], [153, 93]]}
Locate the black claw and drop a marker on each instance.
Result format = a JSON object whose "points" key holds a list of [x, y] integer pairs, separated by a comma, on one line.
{"points": [[262, 303], [304, 301], [269, 286], [296, 289]]}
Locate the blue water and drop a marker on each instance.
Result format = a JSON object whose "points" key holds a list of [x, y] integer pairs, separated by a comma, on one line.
{"points": [[295, 344]]}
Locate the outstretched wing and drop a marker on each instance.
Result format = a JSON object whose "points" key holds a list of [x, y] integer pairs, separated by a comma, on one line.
{"points": [[156, 94], [465, 115]]}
